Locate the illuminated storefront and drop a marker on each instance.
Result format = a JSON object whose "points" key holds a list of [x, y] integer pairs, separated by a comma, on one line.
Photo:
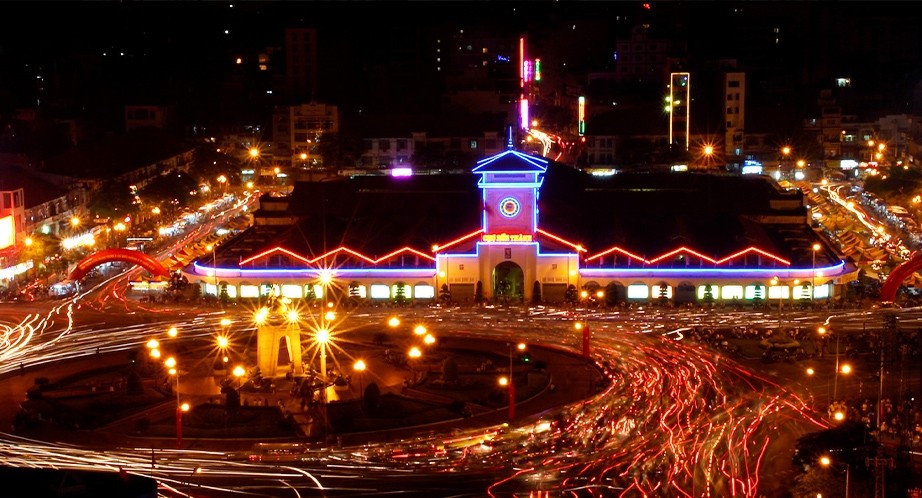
{"points": [[523, 245]]}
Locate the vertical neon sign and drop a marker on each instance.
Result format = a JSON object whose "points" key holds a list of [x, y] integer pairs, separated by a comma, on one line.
{"points": [[523, 110], [522, 62], [581, 116], [537, 69]]}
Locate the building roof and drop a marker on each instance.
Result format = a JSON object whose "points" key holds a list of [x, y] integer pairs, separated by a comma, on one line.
{"points": [[434, 125], [36, 189], [649, 215], [118, 155]]}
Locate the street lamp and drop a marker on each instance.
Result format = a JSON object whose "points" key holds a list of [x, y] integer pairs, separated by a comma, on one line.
{"points": [[521, 347], [775, 281], [359, 368], [322, 337], [223, 181], [214, 265], [239, 372], [825, 461], [180, 407], [816, 247]]}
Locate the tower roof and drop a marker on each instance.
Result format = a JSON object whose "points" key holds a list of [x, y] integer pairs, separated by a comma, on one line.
{"points": [[511, 161]]}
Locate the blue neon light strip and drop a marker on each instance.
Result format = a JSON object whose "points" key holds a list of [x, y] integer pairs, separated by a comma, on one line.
{"points": [[534, 161], [311, 272], [804, 273]]}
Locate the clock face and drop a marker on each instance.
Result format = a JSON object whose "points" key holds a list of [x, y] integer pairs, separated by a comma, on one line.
{"points": [[509, 207]]}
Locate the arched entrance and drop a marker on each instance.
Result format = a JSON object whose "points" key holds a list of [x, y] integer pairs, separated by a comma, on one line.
{"points": [[117, 254], [508, 281]]}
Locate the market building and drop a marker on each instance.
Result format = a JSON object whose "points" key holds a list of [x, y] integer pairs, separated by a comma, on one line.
{"points": [[523, 228]]}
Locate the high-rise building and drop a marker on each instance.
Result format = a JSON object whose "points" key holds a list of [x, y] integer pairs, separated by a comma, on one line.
{"points": [[734, 113], [679, 109], [301, 62]]}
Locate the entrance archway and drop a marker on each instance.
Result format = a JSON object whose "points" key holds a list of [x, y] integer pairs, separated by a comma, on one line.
{"points": [[897, 276], [117, 254], [508, 281]]}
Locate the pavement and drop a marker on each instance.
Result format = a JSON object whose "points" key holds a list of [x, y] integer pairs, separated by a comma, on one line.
{"points": [[573, 377]]}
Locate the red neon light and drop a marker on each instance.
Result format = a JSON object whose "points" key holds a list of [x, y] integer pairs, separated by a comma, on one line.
{"points": [[337, 250], [578, 247], [522, 62], [683, 248], [438, 248], [755, 249], [617, 249], [275, 249]]}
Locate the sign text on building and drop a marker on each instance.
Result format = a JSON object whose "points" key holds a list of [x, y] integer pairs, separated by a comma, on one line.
{"points": [[506, 237]]}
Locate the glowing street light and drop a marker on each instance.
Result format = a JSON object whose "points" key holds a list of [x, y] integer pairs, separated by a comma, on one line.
{"points": [[419, 330], [254, 152], [825, 461], [239, 372], [172, 332], [359, 368], [222, 341], [394, 322]]}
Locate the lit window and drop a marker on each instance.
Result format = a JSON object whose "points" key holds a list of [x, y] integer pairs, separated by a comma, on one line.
{"points": [[661, 291], [754, 292], [249, 291], [292, 291], [638, 291], [708, 291], [821, 292], [380, 291], [732, 292], [211, 289], [407, 291], [424, 292], [231, 291], [484, 49], [802, 291], [779, 292]]}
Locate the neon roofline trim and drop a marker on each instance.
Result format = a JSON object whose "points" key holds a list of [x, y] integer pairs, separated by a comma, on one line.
{"points": [[549, 235], [276, 249], [757, 250], [456, 241], [617, 249], [690, 251], [764, 272], [683, 248], [483, 184], [534, 161], [314, 272], [337, 250]]}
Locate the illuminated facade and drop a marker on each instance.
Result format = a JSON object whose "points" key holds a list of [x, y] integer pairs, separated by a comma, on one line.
{"points": [[529, 229]]}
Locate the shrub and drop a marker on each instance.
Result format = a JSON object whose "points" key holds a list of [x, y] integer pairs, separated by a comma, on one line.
{"points": [[372, 398], [450, 370], [135, 384], [142, 424]]}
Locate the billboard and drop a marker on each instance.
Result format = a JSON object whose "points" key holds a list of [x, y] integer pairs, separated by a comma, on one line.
{"points": [[7, 232]]}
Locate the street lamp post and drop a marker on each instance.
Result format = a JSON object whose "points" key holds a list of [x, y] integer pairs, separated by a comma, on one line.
{"points": [[816, 247], [322, 337], [180, 407], [775, 281], [214, 265], [520, 347], [826, 462], [359, 368]]}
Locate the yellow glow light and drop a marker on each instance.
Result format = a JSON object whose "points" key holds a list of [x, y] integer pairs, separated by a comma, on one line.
{"points": [[170, 362], [292, 316], [394, 321], [184, 407], [503, 381], [419, 330], [222, 341], [846, 369], [153, 344], [172, 332], [359, 366], [254, 152], [323, 336], [415, 352], [155, 353], [225, 322], [239, 371]]}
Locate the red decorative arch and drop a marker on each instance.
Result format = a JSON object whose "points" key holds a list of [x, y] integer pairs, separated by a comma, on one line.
{"points": [[97, 258], [899, 274]]}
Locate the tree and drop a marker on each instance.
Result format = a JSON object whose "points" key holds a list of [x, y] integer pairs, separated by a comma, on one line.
{"points": [[450, 370], [231, 399], [571, 296], [174, 190], [536, 292], [135, 384], [400, 293], [113, 200], [372, 398], [444, 294], [478, 292]]}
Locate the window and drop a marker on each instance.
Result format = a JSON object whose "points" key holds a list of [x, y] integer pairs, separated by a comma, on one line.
{"points": [[729, 96], [384, 145], [460, 267], [733, 84], [424, 291], [554, 266], [407, 290], [638, 291], [729, 110], [473, 143], [778, 292], [249, 291], [732, 292], [291, 291], [729, 124], [380, 291], [708, 291], [366, 144], [484, 49], [401, 145], [491, 143]]}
